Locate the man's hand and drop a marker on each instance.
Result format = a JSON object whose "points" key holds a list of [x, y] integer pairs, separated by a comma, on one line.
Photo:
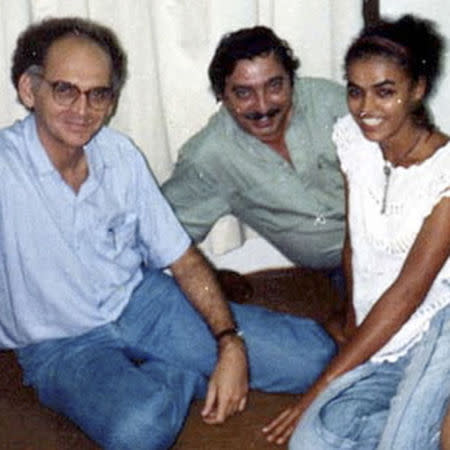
{"points": [[228, 385]]}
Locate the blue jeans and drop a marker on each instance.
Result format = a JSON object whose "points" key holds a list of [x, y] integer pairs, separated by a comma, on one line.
{"points": [[129, 384], [387, 406]]}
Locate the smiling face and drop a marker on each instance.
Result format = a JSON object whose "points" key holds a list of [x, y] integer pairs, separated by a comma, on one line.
{"points": [[63, 129], [258, 94], [381, 98]]}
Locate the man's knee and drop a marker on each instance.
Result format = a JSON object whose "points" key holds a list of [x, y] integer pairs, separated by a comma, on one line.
{"points": [[146, 426], [318, 348], [140, 436], [326, 346]]}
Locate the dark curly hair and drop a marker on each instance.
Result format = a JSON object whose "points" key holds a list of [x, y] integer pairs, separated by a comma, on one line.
{"points": [[411, 42], [248, 43], [34, 42]]}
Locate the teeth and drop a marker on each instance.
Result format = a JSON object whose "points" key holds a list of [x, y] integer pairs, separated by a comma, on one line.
{"points": [[371, 121]]}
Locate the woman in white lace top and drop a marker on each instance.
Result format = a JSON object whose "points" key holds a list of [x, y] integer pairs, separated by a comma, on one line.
{"points": [[389, 385]]}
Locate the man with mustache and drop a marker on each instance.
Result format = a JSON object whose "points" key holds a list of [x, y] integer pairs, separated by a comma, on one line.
{"points": [[266, 156], [102, 334]]}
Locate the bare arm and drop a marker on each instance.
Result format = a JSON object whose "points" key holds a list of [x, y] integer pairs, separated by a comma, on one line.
{"points": [[425, 259], [350, 319], [342, 323], [228, 385]]}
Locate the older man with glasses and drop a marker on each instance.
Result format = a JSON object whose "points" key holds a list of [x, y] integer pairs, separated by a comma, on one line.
{"points": [[103, 335]]}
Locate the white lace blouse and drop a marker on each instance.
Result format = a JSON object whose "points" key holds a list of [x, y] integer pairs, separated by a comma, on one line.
{"points": [[380, 239]]}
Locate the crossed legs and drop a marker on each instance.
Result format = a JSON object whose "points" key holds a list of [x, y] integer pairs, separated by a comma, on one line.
{"points": [[129, 384]]}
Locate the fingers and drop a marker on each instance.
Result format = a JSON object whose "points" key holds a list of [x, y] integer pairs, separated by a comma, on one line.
{"points": [[221, 405], [210, 401], [224, 408], [242, 404], [283, 436], [280, 429], [228, 385], [268, 429]]}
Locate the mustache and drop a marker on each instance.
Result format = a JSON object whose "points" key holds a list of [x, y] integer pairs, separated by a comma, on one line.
{"points": [[256, 115]]}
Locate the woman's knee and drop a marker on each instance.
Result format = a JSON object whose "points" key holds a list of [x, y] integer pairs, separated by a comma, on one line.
{"points": [[313, 432], [339, 421]]}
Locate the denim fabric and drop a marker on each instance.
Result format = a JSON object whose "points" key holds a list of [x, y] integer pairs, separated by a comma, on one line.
{"points": [[388, 406], [129, 384]]}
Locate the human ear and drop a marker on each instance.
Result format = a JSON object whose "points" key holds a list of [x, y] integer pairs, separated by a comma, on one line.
{"points": [[110, 110], [25, 89], [419, 89]]}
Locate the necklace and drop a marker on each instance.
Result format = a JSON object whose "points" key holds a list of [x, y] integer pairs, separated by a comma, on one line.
{"points": [[387, 175], [388, 166]]}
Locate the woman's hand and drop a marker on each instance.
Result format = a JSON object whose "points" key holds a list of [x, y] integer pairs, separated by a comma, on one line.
{"points": [[280, 429]]}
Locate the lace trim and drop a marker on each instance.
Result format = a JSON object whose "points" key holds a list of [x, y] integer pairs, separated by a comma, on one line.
{"points": [[350, 141], [358, 156]]}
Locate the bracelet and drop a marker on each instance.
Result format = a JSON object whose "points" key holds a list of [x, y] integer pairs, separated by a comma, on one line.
{"points": [[233, 331]]}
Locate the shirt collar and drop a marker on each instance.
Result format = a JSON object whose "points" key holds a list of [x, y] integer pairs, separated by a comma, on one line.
{"points": [[37, 155]]}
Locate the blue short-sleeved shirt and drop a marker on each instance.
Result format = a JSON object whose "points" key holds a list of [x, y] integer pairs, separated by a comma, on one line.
{"points": [[69, 262]]}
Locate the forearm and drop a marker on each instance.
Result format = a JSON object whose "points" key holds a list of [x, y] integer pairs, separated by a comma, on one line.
{"points": [[427, 256], [350, 318], [373, 333], [198, 281], [228, 384], [385, 319]]}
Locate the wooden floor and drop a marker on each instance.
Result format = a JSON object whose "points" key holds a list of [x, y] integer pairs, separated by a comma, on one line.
{"points": [[302, 292], [25, 425]]}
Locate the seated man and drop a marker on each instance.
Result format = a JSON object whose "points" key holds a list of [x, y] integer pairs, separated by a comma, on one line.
{"points": [[102, 334], [266, 156]]}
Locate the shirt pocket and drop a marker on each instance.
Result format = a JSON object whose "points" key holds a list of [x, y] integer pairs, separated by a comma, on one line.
{"points": [[117, 235]]}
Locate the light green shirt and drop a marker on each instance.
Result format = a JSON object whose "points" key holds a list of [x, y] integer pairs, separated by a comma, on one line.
{"points": [[299, 208]]}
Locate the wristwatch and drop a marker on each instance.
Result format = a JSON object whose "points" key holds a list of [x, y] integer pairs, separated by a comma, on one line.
{"points": [[232, 331]]}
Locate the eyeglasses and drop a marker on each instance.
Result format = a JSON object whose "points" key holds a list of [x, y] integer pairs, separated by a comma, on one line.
{"points": [[66, 94]]}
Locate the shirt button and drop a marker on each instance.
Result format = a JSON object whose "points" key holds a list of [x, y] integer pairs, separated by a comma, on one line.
{"points": [[320, 220]]}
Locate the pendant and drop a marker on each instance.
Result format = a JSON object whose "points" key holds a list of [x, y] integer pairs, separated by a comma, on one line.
{"points": [[387, 173]]}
